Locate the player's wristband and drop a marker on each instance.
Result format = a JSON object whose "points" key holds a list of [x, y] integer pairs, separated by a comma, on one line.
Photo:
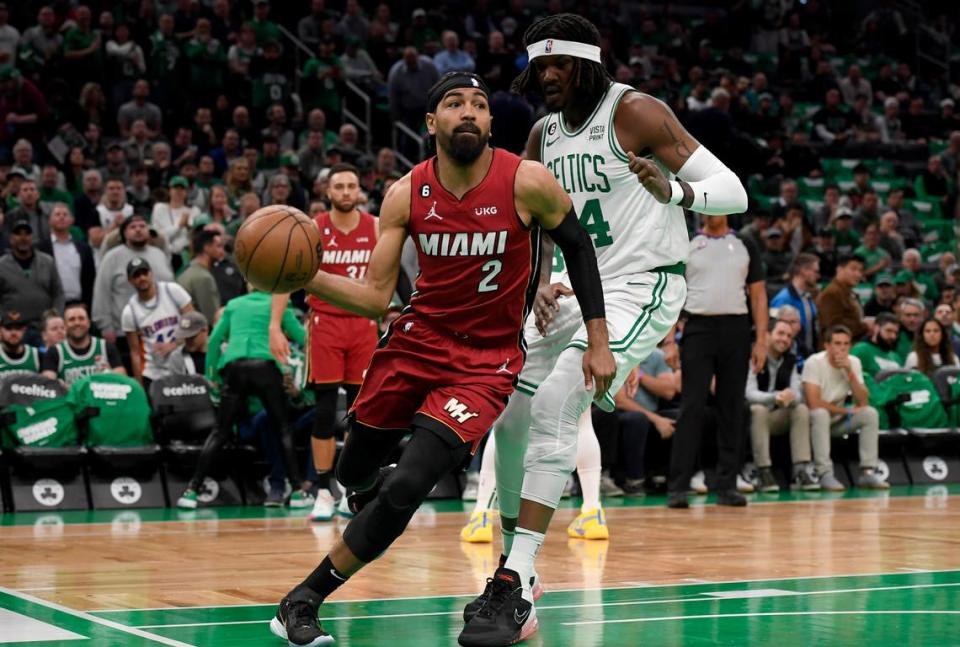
{"points": [[681, 193]]}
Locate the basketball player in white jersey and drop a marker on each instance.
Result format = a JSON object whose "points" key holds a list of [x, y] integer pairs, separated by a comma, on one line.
{"points": [[630, 169]]}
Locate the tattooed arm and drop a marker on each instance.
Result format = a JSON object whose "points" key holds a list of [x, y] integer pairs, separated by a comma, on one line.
{"points": [[646, 126]]}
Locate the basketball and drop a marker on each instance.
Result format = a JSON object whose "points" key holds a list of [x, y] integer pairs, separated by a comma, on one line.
{"points": [[278, 249]]}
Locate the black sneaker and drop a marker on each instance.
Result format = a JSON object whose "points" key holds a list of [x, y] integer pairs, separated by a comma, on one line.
{"points": [[296, 622], [472, 607], [731, 498], [803, 480], [766, 482], [677, 500], [358, 500], [634, 487], [506, 618]]}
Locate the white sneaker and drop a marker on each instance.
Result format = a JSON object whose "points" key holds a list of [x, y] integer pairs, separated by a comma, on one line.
{"points": [[323, 507], [343, 508], [698, 483], [608, 486], [473, 484], [743, 485]]}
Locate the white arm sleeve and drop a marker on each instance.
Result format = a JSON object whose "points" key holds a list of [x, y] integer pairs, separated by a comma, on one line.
{"points": [[717, 191]]}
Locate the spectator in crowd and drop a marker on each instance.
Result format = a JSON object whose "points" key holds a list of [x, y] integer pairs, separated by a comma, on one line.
{"points": [[116, 167], [53, 330], [174, 219], [16, 356], [51, 181], [804, 279], [721, 270], [79, 354], [829, 378], [884, 297], [360, 68], [832, 124], [74, 258], [150, 320], [912, 262], [775, 397], [911, 314], [875, 258], [23, 159], [125, 62], [838, 304], [246, 368], [891, 240], [824, 248], [879, 352], [23, 108], [265, 29], [845, 237], [28, 209], [931, 349], [408, 83], [452, 58], [206, 60], [323, 81], [219, 210], [112, 290], [112, 212], [138, 148], [639, 412], [312, 156], [934, 182], [776, 259], [41, 43], [194, 332], [945, 314], [310, 26], [29, 282], [139, 108], [197, 279]]}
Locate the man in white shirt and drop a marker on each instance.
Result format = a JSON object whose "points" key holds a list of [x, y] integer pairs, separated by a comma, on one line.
{"points": [[113, 210], [829, 377]]}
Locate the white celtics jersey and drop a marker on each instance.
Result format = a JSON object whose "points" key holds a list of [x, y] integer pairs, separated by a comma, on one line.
{"points": [[631, 231]]}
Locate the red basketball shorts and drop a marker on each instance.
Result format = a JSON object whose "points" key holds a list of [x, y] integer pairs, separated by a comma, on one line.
{"points": [[340, 348], [420, 375]]}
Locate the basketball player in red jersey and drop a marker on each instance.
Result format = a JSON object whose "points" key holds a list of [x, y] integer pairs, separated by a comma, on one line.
{"points": [[339, 342], [444, 370]]}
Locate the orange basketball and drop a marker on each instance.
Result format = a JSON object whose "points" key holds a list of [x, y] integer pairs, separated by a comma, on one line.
{"points": [[278, 249]]}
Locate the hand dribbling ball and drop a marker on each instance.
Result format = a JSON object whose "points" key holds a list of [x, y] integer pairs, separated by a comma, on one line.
{"points": [[278, 249]]}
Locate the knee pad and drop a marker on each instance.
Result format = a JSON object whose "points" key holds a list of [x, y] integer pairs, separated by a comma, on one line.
{"points": [[354, 470], [325, 422]]}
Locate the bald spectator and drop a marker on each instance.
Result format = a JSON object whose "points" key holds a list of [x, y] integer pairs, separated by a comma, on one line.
{"points": [[452, 58], [838, 304]]}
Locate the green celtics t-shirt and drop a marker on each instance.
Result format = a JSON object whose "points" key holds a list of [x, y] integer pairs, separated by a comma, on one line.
{"points": [[45, 423], [871, 256], [29, 362], [124, 413], [874, 359], [923, 409], [72, 365]]}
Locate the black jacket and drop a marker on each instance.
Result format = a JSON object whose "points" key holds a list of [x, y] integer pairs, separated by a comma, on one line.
{"points": [[88, 271]]}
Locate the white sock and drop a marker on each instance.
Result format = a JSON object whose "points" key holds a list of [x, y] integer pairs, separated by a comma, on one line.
{"points": [[526, 545], [488, 477], [588, 462]]}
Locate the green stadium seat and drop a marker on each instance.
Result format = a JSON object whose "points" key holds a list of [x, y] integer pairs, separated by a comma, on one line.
{"points": [[811, 186], [924, 209]]}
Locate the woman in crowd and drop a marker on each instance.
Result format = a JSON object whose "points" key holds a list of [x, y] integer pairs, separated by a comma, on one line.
{"points": [[931, 349]]}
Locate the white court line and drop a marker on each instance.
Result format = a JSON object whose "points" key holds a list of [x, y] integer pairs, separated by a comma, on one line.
{"points": [[95, 620], [575, 590], [762, 615], [622, 603]]}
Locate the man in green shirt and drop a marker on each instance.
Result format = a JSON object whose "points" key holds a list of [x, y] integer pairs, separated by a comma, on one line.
{"points": [[81, 49], [207, 249], [845, 237], [910, 314], [50, 193], [879, 353], [265, 29], [80, 354], [875, 258], [207, 62], [322, 78], [15, 356], [247, 368], [912, 262]]}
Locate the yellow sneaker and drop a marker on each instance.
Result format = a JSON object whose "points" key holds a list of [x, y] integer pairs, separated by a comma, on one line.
{"points": [[479, 530], [591, 524]]}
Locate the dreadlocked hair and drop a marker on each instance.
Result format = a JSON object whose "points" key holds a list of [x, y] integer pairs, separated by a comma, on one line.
{"points": [[591, 79]]}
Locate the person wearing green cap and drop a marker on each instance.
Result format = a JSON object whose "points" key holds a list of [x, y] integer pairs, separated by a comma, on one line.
{"points": [[884, 296], [174, 219]]}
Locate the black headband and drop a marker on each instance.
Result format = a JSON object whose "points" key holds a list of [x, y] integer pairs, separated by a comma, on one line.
{"points": [[452, 81]]}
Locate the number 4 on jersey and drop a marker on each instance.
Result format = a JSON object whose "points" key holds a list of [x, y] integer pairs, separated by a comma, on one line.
{"points": [[591, 219]]}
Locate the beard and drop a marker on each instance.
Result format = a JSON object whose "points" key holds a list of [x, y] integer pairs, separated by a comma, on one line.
{"points": [[464, 150], [343, 207]]}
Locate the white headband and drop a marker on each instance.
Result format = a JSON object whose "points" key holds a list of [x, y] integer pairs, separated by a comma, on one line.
{"points": [[555, 47]]}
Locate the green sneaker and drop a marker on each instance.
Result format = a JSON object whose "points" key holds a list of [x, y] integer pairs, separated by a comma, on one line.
{"points": [[188, 500], [301, 499]]}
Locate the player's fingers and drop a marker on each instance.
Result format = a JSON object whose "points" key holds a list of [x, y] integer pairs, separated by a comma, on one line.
{"points": [[564, 291]]}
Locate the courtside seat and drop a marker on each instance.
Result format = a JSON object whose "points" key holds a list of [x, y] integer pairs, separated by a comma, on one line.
{"points": [[44, 460], [123, 460], [183, 416]]}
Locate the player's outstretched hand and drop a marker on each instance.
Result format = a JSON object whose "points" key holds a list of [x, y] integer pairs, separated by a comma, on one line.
{"points": [[279, 346], [651, 177], [546, 306], [599, 370]]}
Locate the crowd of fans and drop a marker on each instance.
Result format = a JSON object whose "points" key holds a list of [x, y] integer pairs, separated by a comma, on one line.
{"points": [[146, 131]]}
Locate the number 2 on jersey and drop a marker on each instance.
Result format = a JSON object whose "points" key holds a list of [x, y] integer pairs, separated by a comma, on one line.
{"points": [[591, 219], [490, 270]]}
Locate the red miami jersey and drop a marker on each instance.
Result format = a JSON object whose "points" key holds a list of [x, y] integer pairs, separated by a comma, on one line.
{"points": [[344, 255], [479, 263]]}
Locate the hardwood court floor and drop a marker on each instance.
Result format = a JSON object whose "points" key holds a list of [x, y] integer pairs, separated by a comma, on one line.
{"points": [[874, 569]]}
